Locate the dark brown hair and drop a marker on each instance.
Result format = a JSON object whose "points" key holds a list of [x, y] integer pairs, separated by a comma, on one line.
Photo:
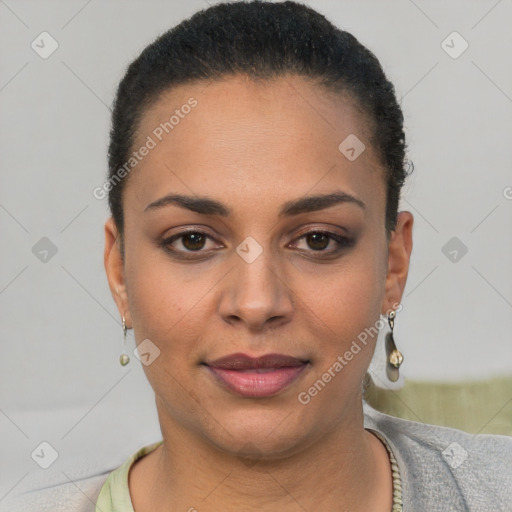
{"points": [[263, 40]]}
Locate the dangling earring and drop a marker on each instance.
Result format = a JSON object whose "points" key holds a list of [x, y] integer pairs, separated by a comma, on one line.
{"points": [[124, 359], [394, 357]]}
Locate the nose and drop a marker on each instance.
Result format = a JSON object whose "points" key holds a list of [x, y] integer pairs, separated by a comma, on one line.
{"points": [[256, 294]]}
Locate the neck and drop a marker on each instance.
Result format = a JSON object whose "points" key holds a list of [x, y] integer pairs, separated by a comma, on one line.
{"points": [[346, 468]]}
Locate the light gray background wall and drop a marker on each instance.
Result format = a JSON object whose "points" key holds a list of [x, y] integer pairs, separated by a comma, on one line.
{"points": [[60, 380]]}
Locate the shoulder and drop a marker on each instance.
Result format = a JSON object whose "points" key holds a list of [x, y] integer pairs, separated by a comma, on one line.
{"points": [[78, 495], [80, 490], [447, 469]]}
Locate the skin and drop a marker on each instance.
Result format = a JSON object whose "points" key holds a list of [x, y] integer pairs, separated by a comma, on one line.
{"points": [[255, 145]]}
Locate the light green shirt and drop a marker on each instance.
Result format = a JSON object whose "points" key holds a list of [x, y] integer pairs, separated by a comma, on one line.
{"points": [[115, 494]]}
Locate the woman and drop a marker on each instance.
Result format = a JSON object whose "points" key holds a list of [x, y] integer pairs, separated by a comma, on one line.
{"points": [[256, 161]]}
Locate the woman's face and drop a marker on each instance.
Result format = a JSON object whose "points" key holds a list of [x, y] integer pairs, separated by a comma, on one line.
{"points": [[256, 277]]}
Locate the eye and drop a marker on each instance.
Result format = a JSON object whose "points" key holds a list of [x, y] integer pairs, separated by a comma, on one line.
{"points": [[190, 241], [185, 243], [318, 241]]}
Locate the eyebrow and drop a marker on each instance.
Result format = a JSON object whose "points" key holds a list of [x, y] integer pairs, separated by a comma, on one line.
{"points": [[207, 206]]}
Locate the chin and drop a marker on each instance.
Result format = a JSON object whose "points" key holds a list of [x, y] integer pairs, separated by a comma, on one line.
{"points": [[261, 433]]}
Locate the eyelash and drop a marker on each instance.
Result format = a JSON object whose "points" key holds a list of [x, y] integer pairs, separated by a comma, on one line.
{"points": [[343, 243]]}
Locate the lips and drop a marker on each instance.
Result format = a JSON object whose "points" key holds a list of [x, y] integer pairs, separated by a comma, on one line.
{"points": [[257, 377], [245, 362]]}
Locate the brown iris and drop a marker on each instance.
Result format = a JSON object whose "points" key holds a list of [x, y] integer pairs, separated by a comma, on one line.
{"points": [[318, 241], [193, 241]]}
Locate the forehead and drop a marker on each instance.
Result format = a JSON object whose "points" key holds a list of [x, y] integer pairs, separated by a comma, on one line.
{"points": [[224, 135]]}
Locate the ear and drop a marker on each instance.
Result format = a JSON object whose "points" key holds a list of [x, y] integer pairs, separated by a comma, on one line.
{"points": [[399, 253], [114, 267]]}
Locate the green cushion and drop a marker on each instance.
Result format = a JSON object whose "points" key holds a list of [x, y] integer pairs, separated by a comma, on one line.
{"points": [[478, 407]]}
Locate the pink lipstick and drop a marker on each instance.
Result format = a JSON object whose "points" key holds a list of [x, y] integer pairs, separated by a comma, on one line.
{"points": [[257, 377]]}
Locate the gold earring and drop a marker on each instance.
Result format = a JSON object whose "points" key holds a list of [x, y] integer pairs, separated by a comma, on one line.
{"points": [[124, 359], [394, 357]]}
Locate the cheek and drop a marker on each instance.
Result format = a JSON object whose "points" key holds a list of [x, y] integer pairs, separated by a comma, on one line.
{"points": [[348, 312], [350, 296], [159, 297], [345, 310], [166, 308]]}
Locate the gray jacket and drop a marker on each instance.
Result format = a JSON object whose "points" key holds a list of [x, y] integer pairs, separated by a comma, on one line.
{"points": [[442, 470]]}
